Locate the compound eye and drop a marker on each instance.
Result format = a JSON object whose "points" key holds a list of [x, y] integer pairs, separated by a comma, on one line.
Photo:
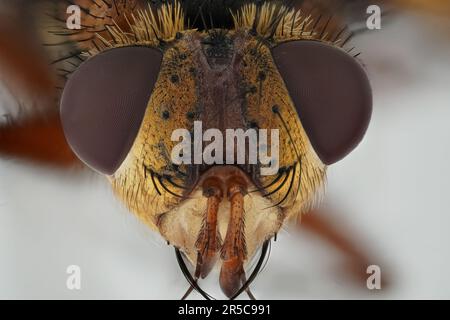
{"points": [[331, 93], [104, 102]]}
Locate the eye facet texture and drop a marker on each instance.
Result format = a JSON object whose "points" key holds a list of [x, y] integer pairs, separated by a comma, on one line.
{"points": [[331, 93], [104, 102]]}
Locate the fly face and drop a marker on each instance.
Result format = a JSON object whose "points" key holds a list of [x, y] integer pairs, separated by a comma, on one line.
{"points": [[218, 212], [272, 71]]}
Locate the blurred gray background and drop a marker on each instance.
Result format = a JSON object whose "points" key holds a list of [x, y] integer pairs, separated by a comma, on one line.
{"points": [[391, 194]]}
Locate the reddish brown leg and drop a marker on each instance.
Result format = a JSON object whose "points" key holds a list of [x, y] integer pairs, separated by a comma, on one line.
{"points": [[39, 140], [28, 76], [22, 62]]}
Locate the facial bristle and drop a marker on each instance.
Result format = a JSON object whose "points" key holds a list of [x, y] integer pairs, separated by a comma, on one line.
{"points": [[147, 27]]}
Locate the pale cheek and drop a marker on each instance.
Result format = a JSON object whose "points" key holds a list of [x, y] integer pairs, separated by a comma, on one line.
{"points": [[182, 225], [261, 222]]}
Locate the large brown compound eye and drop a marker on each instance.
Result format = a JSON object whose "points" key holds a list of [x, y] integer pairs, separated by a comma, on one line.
{"points": [[104, 102], [331, 93]]}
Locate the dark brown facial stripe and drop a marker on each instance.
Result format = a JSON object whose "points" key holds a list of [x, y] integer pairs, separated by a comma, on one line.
{"points": [[331, 93], [104, 102]]}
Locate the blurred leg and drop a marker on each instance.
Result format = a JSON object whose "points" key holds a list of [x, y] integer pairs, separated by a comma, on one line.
{"points": [[32, 129], [39, 140], [357, 261]]}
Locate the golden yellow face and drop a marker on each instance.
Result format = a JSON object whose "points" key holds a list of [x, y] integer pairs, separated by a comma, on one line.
{"points": [[243, 91], [222, 213]]}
